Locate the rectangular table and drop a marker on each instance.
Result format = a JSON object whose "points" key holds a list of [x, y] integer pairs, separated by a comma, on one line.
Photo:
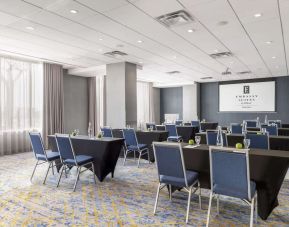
{"points": [[186, 132], [145, 137], [268, 169], [105, 152]]}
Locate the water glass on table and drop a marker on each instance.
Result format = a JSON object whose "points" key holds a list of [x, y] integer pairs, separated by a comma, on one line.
{"points": [[198, 140], [247, 143]]}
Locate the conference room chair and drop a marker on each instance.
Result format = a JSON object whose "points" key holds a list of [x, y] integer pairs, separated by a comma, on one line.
{"points": [[107, 131], [251, 123], [151, 126], [271, 129], [179, 122], [173, 133], [276, 122], [172, 172], [69, 159], [132, 145], [42, 156], [236, 128], [230, 176], [196, 124], [259, 141], [211, 136]]}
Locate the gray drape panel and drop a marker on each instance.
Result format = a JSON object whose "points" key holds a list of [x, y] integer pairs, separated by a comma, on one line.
{"points": [[92, 111], [53, 100]]}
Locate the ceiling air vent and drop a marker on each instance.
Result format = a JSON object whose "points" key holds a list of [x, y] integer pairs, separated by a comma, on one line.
{"points": [[244, 72], [177, 18], [206, 78], [221, 54], [115, 53], [173, 72]]}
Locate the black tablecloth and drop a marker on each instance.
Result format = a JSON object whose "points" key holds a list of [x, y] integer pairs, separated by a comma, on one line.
{"points": [[209, 126], [267, 169], [186, 132], [145, 137], [105, 152], [285, 125]]}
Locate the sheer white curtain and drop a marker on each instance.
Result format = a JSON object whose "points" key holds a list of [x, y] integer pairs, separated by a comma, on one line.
{"points": [[145, 104], [21, 100], [100, 102]]}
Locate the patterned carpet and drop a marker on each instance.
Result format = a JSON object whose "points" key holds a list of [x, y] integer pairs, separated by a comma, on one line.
{"points": [[126, 200]]}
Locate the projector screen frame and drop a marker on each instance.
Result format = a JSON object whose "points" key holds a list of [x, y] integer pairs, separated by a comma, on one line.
{"points": [[248, 82]]}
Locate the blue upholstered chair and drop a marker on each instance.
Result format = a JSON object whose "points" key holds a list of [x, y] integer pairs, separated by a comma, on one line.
{"points": [[271, 129], [172, 171], [179, 122], [69, 159], [42, 155], [230, 176], [211, 136], [196, 123], [259, 141], [151, 125], [236, 128], [173, 133], [107, 131], [251, 123], [276, 122], [132, 145]]}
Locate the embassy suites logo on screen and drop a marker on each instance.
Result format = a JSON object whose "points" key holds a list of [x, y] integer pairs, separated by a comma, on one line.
{"points": [[247, 99]]}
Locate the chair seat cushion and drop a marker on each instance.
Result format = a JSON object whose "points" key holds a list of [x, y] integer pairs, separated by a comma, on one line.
{"points": [[179, 181], [174, 138], [51, 156], [234, 191], [135, 148], [80, 159]]}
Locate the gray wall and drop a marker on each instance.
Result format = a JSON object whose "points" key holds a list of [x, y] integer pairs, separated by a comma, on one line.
{"points": [[75, 103], [171, 102], [156, 98], [209, 104]]}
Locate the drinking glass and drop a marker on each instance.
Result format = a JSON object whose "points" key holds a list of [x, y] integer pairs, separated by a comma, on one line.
{"points": [[247, 143], [151, 128], [264, 130], [198, 140]]}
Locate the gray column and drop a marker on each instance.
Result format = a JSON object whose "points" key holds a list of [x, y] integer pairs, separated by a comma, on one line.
{"points": [[121, 96]]}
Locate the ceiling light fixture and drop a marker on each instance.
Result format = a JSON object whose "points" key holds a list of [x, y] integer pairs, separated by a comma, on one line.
{"points": [[258, 15], [100, 39], [274, 57], [268, 42], [140, 62], [191, 30], [174, 57], [30, 28], [140, 41], [73, 11]]}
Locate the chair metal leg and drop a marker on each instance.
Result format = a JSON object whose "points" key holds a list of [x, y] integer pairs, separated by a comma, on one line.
{"points": [[157, 198], [63, 168], [47, 173], [170, 192], [252, 212], [94, 177], [65, 173], [139, 156], [218, 204], [256, 209], [52, 167], [200, 196], [34, 170], [134, 155], [149, 158], [209, 209], [189, 202], [125, 154], [77, 177]]}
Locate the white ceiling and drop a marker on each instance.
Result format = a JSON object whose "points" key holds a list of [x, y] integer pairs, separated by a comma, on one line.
{"points": [[78, 41]]}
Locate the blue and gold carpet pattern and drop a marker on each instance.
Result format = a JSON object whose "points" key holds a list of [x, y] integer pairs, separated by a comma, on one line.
{"points": [[126, 200]]}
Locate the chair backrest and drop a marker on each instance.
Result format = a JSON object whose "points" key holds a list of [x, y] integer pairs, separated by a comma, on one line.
{"points": [[130, 137], [37, 143], [277, 122], [236, 128], [230, 171], [65, 147], [260, 141], [172, 129], [211, 136], [251, 123], [107, 131], [271, 129], [179, 122], [170, 160], [196, 123], [149, 125]]}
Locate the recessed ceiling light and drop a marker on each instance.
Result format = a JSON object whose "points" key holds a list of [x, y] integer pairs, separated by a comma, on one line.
{"points": [[257, 15], [100, 39], [274, 57], [99, 50], [139, 41], [191, 30], [140, 62], [29, 28], [216, 50], [268, 42], [174, 57], [73, 11]]}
